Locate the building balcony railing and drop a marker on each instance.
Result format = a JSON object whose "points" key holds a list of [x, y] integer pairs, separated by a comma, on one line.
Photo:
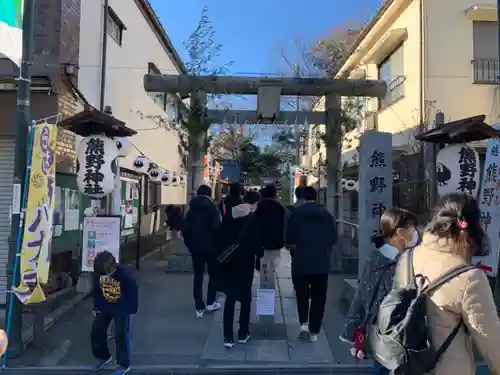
{"points": [[486, 71], [395, 91]]}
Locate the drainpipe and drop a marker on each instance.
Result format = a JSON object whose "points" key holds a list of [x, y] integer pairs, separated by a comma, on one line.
{"points": [[104, 54], [423, 148]]}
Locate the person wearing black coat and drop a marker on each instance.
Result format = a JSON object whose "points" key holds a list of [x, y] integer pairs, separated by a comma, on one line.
{"points": [[174, 219], [311, 232], [232, 200], [270, 218], [236, 272], [200, 231]]}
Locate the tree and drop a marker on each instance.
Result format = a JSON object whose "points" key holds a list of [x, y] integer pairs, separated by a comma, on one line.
{"points": [[324, 59], [257, 163], [229, 139], [203, 52]]}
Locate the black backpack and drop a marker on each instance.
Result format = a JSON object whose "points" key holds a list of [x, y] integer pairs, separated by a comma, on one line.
{"points": [[400, 339]]}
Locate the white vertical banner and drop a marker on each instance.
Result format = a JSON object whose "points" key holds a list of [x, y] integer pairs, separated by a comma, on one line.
{"points": [[489, 203]]}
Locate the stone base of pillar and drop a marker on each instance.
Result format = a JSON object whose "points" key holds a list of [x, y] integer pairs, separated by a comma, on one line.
{"points": [[268, 265], [180, 261], [85, 282]]}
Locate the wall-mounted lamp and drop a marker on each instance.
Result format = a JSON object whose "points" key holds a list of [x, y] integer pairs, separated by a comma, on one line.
{"points": [[71, 69]]}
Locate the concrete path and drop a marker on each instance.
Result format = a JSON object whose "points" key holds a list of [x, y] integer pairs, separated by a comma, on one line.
{"points": [[166, 333], [280, 344]]}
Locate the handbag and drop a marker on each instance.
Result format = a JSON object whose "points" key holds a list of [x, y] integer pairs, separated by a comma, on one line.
{"points": [[226, 255]]}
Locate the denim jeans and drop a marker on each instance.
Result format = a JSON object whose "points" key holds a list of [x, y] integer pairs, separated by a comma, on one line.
{"points": [[378, 369]]}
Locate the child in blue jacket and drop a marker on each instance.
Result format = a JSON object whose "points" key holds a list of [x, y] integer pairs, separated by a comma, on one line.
{"points": [[115, 299]]}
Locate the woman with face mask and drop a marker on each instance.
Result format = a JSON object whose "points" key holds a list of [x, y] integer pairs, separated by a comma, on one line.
{"points": [[398, 228]]}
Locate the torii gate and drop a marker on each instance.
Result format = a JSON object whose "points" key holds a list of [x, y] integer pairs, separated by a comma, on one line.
{"points": [[269, 91]]}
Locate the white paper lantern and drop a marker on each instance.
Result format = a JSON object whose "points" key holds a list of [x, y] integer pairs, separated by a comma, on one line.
{"points": [[155, 174], [123, 145], [166, 178], [350, 185], [356, 186], [141, 164], [96, 166], [343, 182], [175, 179], [457, 170], [182, 179]]}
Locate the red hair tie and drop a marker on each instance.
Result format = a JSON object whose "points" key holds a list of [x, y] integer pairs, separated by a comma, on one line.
{"points": [[462, 224]]}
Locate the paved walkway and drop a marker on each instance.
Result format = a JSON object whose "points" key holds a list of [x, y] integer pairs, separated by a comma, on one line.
{"points": [[166, 332]]}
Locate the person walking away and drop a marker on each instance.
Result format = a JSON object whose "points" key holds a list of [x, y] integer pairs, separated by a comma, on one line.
{"points": [[236, 274], [398, 232], [200, 232], [174, 219], [233, 199], [289, 209], [450, 239], [270, 217], [311, 231], [115, 295]]}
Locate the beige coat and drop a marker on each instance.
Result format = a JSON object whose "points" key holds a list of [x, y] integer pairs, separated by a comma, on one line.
{"points": [[467, 296]]}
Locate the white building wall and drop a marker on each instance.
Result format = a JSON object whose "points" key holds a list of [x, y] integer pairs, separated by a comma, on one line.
{"points": [[125, 68]]}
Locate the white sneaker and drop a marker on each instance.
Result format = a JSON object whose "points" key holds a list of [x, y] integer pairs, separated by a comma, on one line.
{"points": [[213, 307], [304, 331], [229, 344], [313, 337], [199, 313]]}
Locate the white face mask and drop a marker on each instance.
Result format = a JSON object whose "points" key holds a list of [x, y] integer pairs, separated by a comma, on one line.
{"points": [[414, 240]]}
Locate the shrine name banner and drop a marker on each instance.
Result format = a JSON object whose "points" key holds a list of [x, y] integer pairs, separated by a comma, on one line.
{"points": [[37, 235]]}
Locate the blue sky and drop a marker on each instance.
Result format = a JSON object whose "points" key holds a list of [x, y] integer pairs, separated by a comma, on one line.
{"points": [[251, 31]]}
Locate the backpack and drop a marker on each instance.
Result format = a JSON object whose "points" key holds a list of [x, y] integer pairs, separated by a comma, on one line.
{"points": [[400, 339]]}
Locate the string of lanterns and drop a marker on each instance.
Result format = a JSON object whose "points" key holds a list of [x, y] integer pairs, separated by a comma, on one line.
{"points": [[155, 173]]}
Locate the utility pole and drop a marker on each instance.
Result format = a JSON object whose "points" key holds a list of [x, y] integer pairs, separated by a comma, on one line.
{"points": [[14, 310]]}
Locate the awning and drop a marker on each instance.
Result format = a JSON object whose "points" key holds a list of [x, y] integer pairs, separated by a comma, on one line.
{"points": [[461, 131], [91, 121]]}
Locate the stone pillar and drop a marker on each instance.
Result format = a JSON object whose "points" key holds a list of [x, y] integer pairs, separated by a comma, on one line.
{"points": [[333, 153], [268, 264], [375, 188], [196, 150]]}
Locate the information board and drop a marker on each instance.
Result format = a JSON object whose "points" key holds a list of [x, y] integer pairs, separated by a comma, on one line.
{"points": [[101, 233]]}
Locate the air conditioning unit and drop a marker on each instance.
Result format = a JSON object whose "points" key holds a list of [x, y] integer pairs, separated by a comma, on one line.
{"points": [[371, 121]]}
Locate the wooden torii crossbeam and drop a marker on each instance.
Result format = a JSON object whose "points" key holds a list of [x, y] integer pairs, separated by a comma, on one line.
{"points": [[186, 84]]}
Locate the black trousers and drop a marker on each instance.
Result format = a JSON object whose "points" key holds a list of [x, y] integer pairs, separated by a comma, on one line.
{"points": [[228, 318], [199, 262], [313, 287], [99, 337]]}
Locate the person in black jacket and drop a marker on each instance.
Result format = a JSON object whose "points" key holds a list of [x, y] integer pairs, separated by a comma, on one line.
{"points": [[270, 216], [115, 296], [311, 231], [174, 219], [200, 231], [236, 273], [233, 199]]}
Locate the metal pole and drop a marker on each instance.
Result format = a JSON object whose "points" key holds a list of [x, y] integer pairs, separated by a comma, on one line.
{"points": [[16, 346], [433, 147], [104, 55]]}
